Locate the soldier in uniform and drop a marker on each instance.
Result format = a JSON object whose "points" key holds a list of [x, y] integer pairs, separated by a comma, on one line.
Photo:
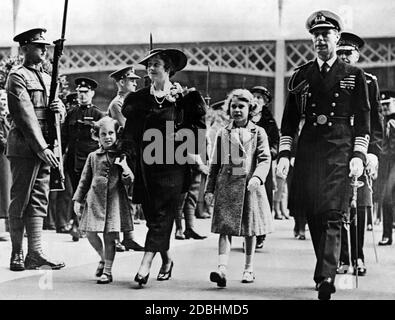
{"points": [[328, 92], [348, 50], [126, 81], [77, 136], [28, 150]]}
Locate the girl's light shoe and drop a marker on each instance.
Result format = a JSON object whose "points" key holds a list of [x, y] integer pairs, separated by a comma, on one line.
{"points": [[248, 277]]}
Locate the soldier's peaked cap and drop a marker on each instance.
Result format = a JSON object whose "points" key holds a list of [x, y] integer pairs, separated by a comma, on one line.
{"points": [[126, 72], [84, 84], [35, 35], [324, 19], [350, 41]]}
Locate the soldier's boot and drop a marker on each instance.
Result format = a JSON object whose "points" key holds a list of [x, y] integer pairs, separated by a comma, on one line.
{"points": [[35, 259], [16, 233]]}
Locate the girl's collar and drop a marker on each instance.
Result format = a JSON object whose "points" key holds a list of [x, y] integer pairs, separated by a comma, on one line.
{"points": [[250, 126], [102, 150]]}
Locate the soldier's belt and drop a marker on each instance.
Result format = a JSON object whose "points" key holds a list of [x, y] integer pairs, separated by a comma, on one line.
{"points": [[323, 119]]}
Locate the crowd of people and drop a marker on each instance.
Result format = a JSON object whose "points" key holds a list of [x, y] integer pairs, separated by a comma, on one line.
{"points": [[153, 150]]}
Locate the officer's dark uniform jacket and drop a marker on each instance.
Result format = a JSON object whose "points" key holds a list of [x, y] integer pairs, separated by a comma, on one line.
{"points": [[327, 141], [28, 91], [365, 196], [77, 135]]}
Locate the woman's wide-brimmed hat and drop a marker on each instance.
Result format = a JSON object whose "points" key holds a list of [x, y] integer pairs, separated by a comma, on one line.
{"points": [[177, 57]]}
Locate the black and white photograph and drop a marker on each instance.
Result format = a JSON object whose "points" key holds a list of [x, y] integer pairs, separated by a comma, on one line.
{"points": [[196, 158]]}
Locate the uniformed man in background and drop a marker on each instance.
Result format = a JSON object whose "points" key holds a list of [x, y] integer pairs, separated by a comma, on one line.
{"points": [[328, 92], [126, 81], [77, 138], [28, 150], [348, 50], [386, 176]]}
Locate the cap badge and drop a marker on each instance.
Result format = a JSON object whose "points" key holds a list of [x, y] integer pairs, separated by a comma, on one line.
{"points": [[320, 18]]}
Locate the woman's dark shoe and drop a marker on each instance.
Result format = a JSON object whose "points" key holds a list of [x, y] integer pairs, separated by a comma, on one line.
{"points": [[99, 270], [162, 276], [219, 278], [140, 279], [105, 278], [385, 242], [179, 235], [190, 233]]}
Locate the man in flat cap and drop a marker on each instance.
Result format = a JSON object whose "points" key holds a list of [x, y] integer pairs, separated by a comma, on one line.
{"points": [[348, 50], [126, 81], [30, 155], [386, 176], [327, 92], [77, 139]]}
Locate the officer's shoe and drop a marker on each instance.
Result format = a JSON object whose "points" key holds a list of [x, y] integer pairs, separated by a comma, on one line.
{"points": [[360, 268], [17, 261], [37, 260], [342, 268], [130, 244], [325, 289]]}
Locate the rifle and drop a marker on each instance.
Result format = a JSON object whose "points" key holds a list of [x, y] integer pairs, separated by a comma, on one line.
{"points": [[200, 206], [57, 177]]}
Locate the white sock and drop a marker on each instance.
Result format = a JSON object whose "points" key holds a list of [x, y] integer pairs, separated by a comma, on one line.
{"points": [[223, 262], [107, 266], [249, 266]]}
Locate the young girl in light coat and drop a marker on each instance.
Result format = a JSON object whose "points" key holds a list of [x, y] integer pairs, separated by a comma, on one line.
{"points": [[238, 170]]}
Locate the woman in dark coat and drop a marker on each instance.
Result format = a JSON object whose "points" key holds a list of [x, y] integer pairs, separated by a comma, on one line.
{"points": [[158, 112]]}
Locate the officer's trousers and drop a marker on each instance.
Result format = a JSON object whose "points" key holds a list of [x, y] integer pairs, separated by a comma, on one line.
{"points": [[30, 187], [325, 230]]}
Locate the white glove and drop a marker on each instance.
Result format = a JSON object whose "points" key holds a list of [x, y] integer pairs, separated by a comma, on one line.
{"points": [[356, 167], [282, 168], [372, 164], [253, 184]]}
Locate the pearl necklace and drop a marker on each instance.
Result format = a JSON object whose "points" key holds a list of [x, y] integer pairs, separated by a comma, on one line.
{"points": [[159, 102]]}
